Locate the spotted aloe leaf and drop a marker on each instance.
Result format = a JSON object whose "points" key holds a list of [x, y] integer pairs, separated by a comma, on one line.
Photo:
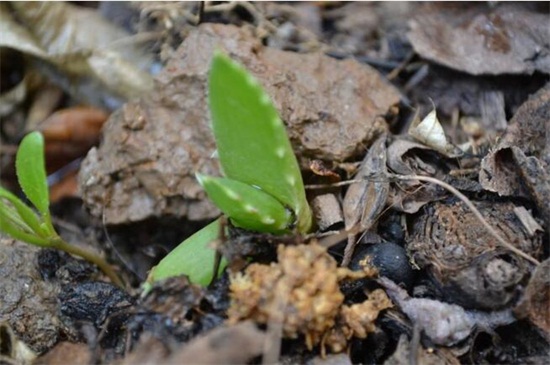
{"points": [[192, 257], [252, 143], [247, 206]]}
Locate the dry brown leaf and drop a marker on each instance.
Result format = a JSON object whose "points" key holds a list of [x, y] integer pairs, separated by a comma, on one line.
{"points": [[430, 132], [481, 38], [78, 49], [365, 200]]}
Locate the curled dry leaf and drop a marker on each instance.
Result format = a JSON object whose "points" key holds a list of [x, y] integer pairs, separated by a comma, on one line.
{"points": [[535, 303], [412, 158], [518, 165], [365, 200], [445, 324], [430, 132], [70, 133], [78, 49]]}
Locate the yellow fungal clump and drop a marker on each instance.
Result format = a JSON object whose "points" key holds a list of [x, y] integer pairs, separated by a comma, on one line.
{"points": [[302, 292]]}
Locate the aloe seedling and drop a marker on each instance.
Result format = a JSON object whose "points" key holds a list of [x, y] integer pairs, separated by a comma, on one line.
{"points": [[262, 189], [23, 223]]}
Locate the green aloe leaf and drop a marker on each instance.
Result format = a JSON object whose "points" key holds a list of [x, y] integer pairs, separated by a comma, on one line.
{"points": [[31, 171], [192, 258], [17, 229], [20, 213], [248, 207], [252, 143]]}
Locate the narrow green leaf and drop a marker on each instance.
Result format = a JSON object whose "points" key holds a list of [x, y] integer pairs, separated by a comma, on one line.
{"points": [[25, 213], [15, 230], [192, 258], [248, 207], [31, 171], [252, 143], [10, 214]]}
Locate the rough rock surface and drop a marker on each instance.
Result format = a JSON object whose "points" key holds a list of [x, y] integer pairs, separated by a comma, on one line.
{"points": [[153, 146], [27, 303]]}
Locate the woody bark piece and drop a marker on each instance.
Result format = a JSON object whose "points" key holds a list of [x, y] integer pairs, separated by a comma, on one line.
{"points": [[327, 211]]}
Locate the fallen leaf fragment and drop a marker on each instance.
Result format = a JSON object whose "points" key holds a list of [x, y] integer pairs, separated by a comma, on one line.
{"points": [[478, 38], [535, 303], [365, 200], [430, 132]]}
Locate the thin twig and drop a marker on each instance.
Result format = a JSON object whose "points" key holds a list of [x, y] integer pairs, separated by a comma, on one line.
{"points": [[332, 240], [474, 210]]}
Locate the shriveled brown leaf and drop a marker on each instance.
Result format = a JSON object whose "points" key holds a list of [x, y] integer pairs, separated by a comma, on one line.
{"points": [[465, 260], [365, 200], [76, 47], [507, 38], [535, 303], [518, 165], [404, 158], [430, 132]]}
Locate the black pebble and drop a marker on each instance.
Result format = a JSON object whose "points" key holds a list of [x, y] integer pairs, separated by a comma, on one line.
{"points": [[390, 259]]}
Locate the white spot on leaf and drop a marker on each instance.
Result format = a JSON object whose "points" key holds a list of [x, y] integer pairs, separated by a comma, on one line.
{"points": [[268, 220], [250, 209], [291, 179], [232, 194], [251, 80], [264, 99]]}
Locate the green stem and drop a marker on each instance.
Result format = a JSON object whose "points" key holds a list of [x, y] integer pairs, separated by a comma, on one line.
{"points": [[89, 256]]}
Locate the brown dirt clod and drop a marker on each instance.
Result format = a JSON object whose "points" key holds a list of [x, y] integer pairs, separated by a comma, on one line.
{"points": [[153, 146]]}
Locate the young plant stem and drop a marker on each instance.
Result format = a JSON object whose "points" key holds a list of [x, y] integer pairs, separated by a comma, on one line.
{"points": [[92, 257]]}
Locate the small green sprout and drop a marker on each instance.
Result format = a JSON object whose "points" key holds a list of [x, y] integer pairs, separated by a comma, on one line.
{"points": [[254, 149], [262, 189], [21, 222]]}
